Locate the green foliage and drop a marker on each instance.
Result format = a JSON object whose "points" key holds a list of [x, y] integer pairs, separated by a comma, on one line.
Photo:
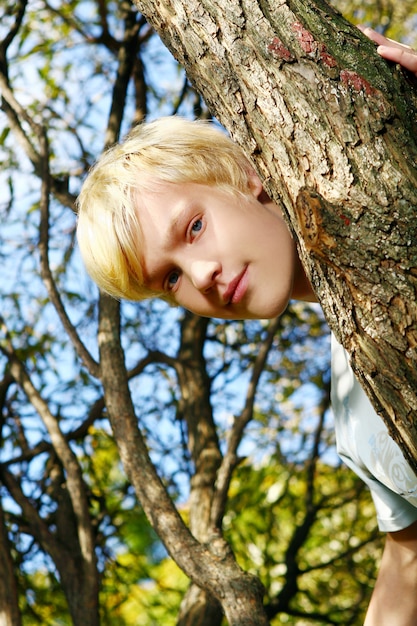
{"points": [[394, 19], [152, 601], [305, 535], [36, 606], [140, 584]]}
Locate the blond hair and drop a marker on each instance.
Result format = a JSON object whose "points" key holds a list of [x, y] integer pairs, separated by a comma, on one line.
{"points": [[168, 150]]}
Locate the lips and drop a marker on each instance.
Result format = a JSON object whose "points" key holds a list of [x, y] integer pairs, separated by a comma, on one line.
{"points": [[236, 288]]}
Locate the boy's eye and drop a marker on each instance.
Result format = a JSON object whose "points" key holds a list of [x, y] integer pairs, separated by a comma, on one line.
{"points": [[196, 226], [172, 279]]}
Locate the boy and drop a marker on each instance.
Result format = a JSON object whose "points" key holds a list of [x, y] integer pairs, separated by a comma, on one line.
{"points": [[177, 212]]}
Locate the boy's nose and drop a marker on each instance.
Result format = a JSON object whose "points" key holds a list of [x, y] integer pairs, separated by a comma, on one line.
{"points": [[203, 274]]}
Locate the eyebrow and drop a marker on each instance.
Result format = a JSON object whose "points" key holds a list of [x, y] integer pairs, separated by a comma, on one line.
{"points": [[168, 240], [176, 220]]}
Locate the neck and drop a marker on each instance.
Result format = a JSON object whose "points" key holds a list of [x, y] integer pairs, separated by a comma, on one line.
{"points": [[302, 289]]}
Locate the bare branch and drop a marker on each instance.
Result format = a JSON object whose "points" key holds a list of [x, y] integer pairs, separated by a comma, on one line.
{"points": [[16, 114], [20, 8], [230, 458], [76, 487], [38, 526], [11, 615], [126, 60], [46, 273], [14, 111]]}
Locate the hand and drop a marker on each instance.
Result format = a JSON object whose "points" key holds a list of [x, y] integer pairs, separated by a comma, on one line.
{"points": [[393, 51]]}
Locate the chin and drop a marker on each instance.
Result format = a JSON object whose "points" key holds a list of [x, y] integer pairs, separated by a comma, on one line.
{"points": [[275, 310]]}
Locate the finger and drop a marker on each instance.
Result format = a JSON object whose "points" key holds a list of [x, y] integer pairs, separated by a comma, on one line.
{"points": [[380, 39], [406, 58]]}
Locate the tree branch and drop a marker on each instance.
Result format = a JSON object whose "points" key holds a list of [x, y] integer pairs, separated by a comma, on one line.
{"points": [[20, 8], [46, 273], [75, 484], [213, 568], [126, 60], [230, 458]]}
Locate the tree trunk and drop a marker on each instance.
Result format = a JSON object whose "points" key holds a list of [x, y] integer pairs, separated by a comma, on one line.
{"points": [[198, 608], [9, 612], [331, 128]]}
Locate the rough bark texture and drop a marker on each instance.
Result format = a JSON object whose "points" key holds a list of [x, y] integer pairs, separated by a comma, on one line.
{"points": [[331, 129], [198, 608], [9, 606]]}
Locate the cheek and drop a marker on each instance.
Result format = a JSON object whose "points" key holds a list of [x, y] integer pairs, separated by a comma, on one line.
{"points": [[276, 240], [188, 297]]}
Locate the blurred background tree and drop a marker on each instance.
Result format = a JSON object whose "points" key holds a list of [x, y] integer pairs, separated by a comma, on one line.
{"points": [[235, 416]]}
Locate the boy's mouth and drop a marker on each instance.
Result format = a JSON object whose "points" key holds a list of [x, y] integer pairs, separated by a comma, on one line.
{"points": [[236, 288]]}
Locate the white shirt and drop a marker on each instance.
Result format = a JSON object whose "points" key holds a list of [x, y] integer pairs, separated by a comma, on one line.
{"points": [[366, 447]]}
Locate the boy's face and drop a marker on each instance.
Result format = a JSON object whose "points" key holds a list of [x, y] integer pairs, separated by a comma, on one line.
{"points": [[215, 253]]}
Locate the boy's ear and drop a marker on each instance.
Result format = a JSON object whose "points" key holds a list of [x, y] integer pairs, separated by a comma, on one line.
{"points": [[254, 183]]}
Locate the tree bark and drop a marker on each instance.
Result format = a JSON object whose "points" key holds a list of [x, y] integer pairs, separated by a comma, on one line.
{"points": [[9, 613], [198, 607], [330, 128]]}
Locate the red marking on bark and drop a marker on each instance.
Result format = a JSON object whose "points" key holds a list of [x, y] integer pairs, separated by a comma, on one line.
{"points": [[311, 46], [305, 38], [356, 82], [326, 58], [277, 48]]}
